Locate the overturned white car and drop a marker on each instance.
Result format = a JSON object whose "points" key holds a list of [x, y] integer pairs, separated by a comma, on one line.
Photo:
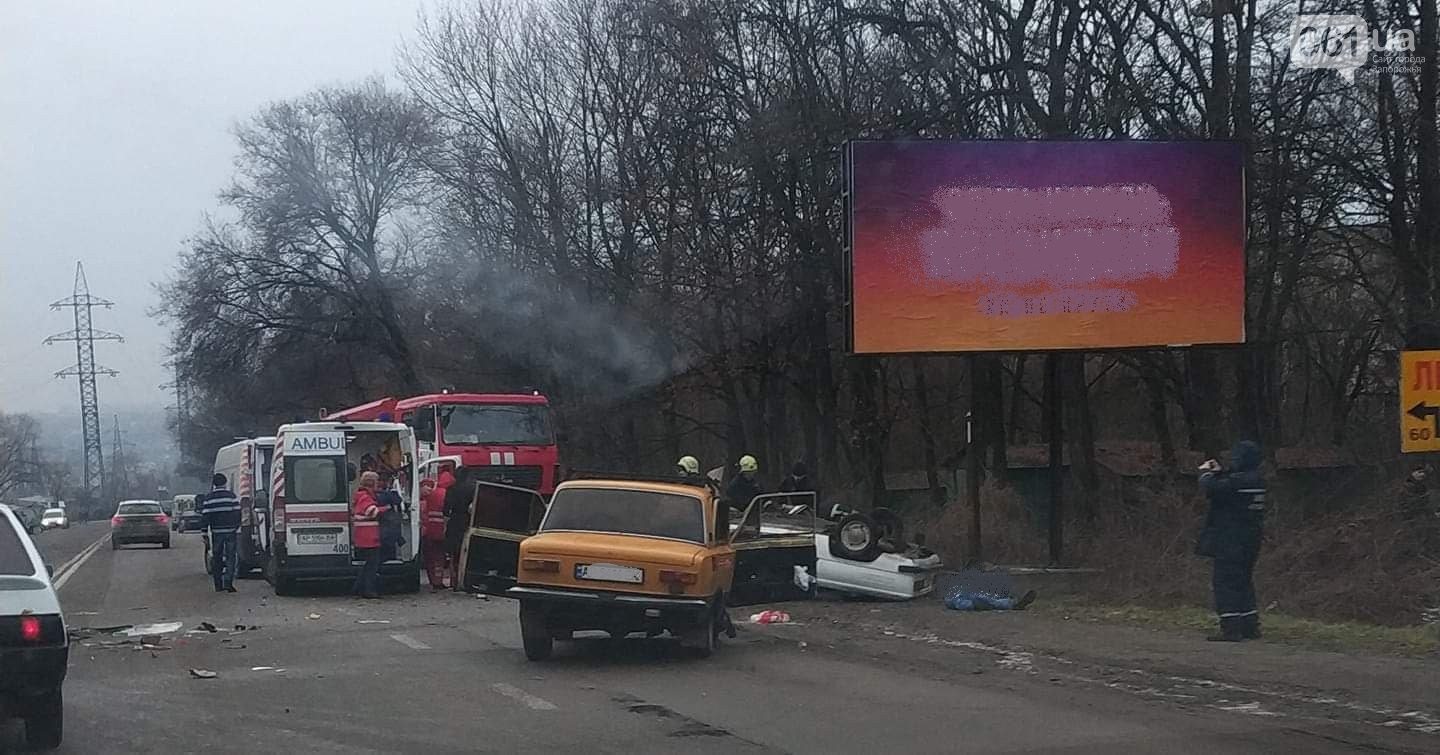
{"points": [[858, 554]]}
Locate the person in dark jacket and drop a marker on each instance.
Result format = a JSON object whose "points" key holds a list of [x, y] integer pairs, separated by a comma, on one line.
{"points": [[1233, 529], [798, 481], [457, 524], [220, 511], [743, 488]]}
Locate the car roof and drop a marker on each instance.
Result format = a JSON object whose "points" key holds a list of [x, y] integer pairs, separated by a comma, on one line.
{"points": [[671, 488], [138, 500]]}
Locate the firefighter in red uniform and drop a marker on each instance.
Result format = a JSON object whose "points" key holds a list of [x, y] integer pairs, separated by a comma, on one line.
{"points": [[366, 535], [432, 528]]}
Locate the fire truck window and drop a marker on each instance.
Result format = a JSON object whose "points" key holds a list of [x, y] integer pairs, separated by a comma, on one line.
{"points": [[477, 424], [313, 479], [423, 422]]}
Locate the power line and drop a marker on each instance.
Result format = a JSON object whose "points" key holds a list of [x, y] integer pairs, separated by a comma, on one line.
{"points": [[85, 336]]}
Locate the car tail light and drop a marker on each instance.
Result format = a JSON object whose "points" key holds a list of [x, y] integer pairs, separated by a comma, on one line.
{"points": [[162, 519], [541, 565], [677, 577], [30, 628], [115, 520]]}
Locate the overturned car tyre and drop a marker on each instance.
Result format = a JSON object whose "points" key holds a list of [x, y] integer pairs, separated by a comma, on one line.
{"points": [[856, 538]]}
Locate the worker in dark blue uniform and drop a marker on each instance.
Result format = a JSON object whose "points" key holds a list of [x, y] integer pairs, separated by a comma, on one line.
{"points": [[221, 512], [1233, 530]]}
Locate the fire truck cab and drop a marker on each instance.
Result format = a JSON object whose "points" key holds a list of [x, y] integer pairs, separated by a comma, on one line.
{"points": [[507, 438]]}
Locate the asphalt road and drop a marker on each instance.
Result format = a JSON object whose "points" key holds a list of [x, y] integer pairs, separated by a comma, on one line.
{"points": [[444, 673]]}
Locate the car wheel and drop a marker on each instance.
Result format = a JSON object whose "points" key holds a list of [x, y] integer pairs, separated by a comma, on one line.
{"points": [[703, 638], [534, 634], [166, 543], [855, 538], [114, 544], [45, 721], [411, 583]]}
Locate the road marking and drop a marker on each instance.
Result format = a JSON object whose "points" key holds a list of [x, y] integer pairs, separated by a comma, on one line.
{"points": [[530, 701], [409, 642], [64, 573]]}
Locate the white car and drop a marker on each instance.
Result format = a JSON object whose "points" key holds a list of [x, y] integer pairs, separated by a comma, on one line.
{"points": [[856, 554], [34, 645], [55, 518], [892, 576]]}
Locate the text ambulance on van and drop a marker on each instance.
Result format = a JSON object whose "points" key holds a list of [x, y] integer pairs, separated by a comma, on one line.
{"points": [[313, 480]]}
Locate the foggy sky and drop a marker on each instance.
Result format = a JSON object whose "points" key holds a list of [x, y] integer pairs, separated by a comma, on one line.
{"points": [[115, 137]]}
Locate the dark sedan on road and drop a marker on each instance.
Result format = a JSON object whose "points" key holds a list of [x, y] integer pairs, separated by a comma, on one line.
{"points": [[139, 522]]}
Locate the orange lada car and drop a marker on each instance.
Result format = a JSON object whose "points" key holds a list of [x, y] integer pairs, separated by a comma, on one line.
{"points": [[652, 555]]}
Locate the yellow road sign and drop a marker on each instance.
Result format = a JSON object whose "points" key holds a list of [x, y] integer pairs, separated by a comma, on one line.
{"points": [[1419, 401]]}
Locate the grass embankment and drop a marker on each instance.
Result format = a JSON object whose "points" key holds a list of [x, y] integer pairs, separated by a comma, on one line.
{"points": [[1342, 636]]}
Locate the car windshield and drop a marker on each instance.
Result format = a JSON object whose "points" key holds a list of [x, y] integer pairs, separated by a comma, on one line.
{"points": [[505, 424], [630, 512], [136, 509], [14, 559]]}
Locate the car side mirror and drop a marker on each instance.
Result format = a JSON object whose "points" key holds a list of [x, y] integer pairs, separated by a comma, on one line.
{"points": [[50, 569]]}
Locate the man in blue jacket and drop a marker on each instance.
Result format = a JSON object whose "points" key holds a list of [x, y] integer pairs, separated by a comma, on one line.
{"points": [[1233, 530], [221, 511]]}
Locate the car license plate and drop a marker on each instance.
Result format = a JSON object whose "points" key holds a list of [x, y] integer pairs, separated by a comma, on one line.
{"points": [[610, 573], [315, 538], [921, 585]]}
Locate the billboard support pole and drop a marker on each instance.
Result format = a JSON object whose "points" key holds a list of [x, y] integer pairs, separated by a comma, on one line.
{"points": [[1054, 422], [972, 465]]}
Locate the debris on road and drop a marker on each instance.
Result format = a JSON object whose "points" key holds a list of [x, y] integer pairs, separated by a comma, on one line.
{"points": [[313, 616], [372, 621], [770, 617], [143, 630], [200, 673], [208, 627]]}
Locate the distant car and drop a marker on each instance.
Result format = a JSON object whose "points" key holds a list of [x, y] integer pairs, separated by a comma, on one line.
{"points": [[55, 518], [34, 646], [139, 522], [187, 517]]}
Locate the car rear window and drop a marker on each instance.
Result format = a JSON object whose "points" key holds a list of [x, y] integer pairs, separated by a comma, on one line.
{"points": [[631, 512], [132, 509], [14, 559]]}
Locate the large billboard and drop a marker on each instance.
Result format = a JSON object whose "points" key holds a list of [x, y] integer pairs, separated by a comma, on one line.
{"points": [[960, 246]]}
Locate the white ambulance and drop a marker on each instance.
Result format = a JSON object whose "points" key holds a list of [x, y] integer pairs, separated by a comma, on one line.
{"points": [[246, 466], [315, 473]]}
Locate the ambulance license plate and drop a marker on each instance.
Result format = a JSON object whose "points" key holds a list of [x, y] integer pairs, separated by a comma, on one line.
{"points": [[610, 573], [315, 538]]}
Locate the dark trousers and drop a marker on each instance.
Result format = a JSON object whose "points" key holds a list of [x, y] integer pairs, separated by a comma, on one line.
{"points": [[368, 583], [223, 559], [1234, 586]]}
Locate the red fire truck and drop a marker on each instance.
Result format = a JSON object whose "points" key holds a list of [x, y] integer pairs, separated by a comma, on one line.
{"points": [[506, 437]]}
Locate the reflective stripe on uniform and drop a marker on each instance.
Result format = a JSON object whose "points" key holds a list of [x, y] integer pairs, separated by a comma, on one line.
{"points": [[223, 530], [1238, 615]]}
